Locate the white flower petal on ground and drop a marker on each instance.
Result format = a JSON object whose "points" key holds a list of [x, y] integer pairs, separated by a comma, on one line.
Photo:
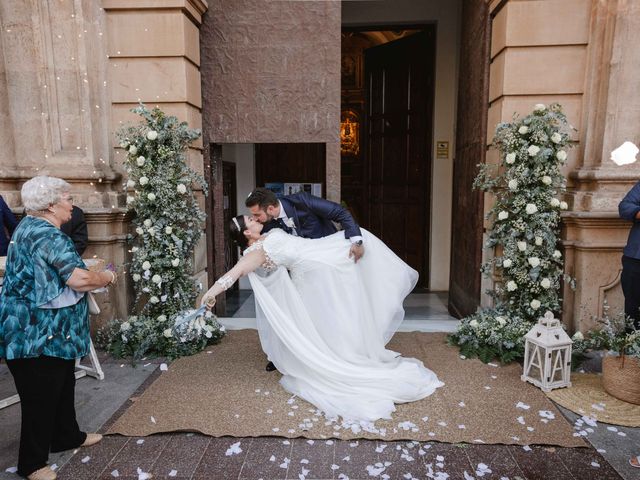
{"points": [[140, 441], [163, 367], [523, 406], [234, 449], [143, 475], [115, 473], [526, 448], [153, 420], [173, 473], [85, 459]]}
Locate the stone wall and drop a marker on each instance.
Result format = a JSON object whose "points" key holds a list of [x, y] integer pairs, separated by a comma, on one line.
{"points": [[69, 73], [571, 52]]}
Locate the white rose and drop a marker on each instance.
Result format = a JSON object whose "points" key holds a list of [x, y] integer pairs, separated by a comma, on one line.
{"points": [[523, 129], [124, 145], [506, 263], [578, 336], [554, 202], [130, 199], [143, 180], [133, 150], [474, 323], [146, 265], [561, 155], [501, 321], [539, 107], [513, 184], [139, 230], [535, 304], [564, 205], [511, 158], [134, 249], [511, 285], [140, 161], [124, 326], [531, 208], [545, 283], [151, 196], [147, 222], [533, 150], [503, 215], [556, 137], [175, 262], [162, 318], [547, 180], [152, 135], [533, 261], [156, 278], [131, 183], [538, 241], [167, 333], [557, 254], [136, 277], [181, 188], [151, 231], [168, 230], [154, 299], [522, 246]]}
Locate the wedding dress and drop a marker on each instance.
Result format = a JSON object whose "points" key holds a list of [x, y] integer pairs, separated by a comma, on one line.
{"points": [[324, 322]]}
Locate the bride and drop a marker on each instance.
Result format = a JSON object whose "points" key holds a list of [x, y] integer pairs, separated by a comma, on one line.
{"points": [[324, 320]]}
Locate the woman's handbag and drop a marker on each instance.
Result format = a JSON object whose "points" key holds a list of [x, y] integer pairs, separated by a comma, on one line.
{"points": [[94, 309]]}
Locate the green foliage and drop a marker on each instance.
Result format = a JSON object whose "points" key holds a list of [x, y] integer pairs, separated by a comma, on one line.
{"points": [[168, 224], [524, 236]]}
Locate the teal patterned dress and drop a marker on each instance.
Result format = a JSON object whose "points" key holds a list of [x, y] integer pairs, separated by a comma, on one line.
{"points": [[40, 260]]}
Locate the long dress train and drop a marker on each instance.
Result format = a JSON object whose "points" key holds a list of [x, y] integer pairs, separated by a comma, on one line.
{"points": [[325, 324]]}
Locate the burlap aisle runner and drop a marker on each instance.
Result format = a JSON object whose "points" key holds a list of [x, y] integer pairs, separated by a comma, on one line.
{"points": [[226, 391]]}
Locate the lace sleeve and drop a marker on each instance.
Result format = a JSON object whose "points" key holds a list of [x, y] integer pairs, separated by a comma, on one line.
{"points": [[269, 265]]}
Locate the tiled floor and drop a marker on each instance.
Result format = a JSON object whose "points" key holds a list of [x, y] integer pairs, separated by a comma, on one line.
{"points": [[424, 312], [193, 456]]}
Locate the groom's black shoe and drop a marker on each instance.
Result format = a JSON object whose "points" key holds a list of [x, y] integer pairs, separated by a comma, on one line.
{"points": [[270, 367]]}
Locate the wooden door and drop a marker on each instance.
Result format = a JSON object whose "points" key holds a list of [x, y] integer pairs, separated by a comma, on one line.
{"points": [[229, 209], [399, 83], [471, 133]]}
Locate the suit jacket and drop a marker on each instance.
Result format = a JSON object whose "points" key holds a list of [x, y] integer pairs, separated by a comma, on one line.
{"points": [[76, 228], [313, 216], [8, 224]]}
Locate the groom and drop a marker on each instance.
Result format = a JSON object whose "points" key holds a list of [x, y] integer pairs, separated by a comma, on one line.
{"points": [[306, 216]]}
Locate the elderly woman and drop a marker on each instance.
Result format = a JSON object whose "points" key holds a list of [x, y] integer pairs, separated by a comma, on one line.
{"points": [[44, 324]]}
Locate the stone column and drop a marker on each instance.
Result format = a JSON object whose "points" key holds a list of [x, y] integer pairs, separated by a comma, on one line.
{"points": [[538, 55], [594, 235], [154, 57]]}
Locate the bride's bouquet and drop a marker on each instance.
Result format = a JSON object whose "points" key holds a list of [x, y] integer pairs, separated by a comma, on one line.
{"points": [[192, 324]]}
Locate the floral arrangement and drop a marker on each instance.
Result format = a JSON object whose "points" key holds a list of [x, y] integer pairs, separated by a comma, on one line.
{"points": [[168, 224], [524, 235]]}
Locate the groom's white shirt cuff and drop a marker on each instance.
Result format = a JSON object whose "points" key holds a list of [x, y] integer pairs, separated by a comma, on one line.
{"points": [[356, 238]]}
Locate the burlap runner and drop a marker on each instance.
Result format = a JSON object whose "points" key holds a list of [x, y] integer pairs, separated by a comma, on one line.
{"points": [[226, 391]]}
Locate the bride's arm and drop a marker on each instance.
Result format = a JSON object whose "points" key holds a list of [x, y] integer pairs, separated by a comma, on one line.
{"points": [[247, 264]]}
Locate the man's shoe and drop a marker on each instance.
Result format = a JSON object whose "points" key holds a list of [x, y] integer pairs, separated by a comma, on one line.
{"points": [[92, 439], [270, 367], [45, 473]]}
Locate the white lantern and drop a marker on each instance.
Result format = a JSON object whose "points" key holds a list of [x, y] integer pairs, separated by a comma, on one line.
{"points": [[547, 355]]}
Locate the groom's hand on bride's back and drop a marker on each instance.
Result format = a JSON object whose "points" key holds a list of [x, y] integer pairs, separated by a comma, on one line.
{"points": [[356, 252]]}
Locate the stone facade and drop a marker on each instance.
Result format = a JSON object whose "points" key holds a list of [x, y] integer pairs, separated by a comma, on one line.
{"points": [[250, 71], [577, 53]]}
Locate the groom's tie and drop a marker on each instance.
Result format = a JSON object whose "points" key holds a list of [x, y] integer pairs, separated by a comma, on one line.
{"points": [[283, 225]]}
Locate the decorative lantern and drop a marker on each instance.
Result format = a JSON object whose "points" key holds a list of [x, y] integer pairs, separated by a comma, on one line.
{"points": [[547, 355]]}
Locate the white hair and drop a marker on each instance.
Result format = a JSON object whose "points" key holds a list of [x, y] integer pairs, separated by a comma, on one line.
{"points": [[42, 191]]}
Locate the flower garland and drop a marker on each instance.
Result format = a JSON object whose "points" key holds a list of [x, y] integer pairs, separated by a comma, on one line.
{"points": [[168, 224], [525, 234]]}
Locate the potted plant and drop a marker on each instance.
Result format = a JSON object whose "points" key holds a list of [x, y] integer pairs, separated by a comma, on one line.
{"points": [[621, 365]]}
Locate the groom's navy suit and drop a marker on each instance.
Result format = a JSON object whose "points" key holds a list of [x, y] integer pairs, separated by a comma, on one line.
{"points": [[313, 216]]}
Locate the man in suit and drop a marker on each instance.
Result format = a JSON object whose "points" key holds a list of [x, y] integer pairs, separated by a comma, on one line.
{"points": [[8, 224], [306, 216], [76, 228]]}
